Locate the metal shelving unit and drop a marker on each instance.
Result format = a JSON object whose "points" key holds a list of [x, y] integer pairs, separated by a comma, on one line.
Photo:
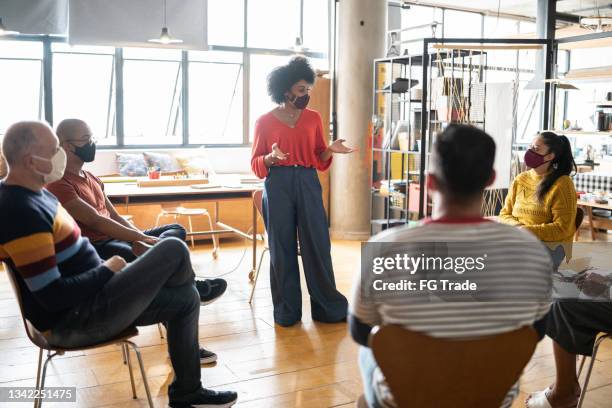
{"points": [[393, 167]]}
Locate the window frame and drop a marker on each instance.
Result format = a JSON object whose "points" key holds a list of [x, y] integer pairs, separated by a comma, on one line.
{"points": [[47, 94]]}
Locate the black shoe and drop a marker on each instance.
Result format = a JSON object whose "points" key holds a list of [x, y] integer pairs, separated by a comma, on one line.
{"points": [[208, 399], [210, 289], [206, 356]]}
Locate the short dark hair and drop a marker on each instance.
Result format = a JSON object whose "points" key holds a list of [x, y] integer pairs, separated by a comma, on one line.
{"points": [[282, 78], [463, 160]]}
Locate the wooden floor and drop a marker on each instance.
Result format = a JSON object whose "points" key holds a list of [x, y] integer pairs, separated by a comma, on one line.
{"points": [[308, 365]]}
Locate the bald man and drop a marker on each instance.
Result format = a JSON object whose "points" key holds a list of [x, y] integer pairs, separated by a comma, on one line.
{"points": [[82, 194], [74, 297]]}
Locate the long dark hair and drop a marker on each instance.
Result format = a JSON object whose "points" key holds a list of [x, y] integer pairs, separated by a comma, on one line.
{"points": [[562, 165]]}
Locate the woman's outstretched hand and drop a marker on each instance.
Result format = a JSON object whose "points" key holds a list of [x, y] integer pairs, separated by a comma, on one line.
{"points": [[338, 147], [275, 156]]}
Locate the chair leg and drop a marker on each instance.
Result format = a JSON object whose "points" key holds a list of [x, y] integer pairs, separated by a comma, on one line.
{"points": [[214, 237], [142, 373], [161, 332], [257, 275], [161, 214], [40, 355], [123, 354], [582, 361], [191, 231], [129, 364], [44, 375], [590, 369]]}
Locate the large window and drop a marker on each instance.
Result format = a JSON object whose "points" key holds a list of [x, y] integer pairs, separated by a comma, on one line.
{"points": [[226, 22], [273, 23], [160, 97], [84, 87], [152, 86], [215, 97], [21, 82], [260, 102]]}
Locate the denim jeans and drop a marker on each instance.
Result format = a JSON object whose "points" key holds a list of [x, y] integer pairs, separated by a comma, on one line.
{"points": [[367, 366], [110, 247], [157, 287]]}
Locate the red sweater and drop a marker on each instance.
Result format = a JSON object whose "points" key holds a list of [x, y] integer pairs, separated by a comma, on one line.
{"points": [[304, 142]]}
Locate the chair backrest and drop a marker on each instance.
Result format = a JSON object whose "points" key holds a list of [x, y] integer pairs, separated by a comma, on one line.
{"points": [[428, 372], [258, 201], [579, 217], [33, 333]]}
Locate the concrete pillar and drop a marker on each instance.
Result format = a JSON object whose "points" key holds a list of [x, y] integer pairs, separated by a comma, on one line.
{"points": [[361, 38]]}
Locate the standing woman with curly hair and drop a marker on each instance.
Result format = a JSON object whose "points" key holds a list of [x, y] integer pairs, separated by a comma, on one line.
{"points": [[288, 149], [543, 199]]}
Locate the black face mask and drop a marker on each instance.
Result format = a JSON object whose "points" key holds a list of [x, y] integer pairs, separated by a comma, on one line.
{"points": [[301, 102], [87, 152]]}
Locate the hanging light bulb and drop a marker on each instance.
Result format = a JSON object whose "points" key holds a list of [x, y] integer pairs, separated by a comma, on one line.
{"points": [[4, 31], [164, 37], [298, 48]]}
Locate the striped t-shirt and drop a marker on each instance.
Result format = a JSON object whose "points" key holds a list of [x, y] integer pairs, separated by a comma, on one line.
{"points": [[56, 268], [514, 256]]}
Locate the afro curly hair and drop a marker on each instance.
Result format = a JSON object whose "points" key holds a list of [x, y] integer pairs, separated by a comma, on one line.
{"points": [[282, 78]]}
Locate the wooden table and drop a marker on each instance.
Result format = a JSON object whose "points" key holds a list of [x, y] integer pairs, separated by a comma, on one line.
{"points": [[594, 221], [126, 193]]}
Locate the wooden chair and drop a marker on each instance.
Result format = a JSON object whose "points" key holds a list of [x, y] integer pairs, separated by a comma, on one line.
{"points": [[42, 343], [579, 219], [600, 339], [258, 203], [428, 372]]}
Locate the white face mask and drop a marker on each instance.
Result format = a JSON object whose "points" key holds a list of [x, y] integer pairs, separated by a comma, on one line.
{"points": [[58, 165]]}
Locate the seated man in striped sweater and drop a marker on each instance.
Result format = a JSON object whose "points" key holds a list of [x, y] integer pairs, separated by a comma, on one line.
{"points": [[461, 167], [74, 297]]}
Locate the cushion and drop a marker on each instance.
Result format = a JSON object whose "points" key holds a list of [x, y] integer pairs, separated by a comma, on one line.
{"points": [[131, 164], [195, 162], [165, 162]]}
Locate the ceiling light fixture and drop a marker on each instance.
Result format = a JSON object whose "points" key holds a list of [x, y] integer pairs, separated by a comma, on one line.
{"points": [[4, 31], [298, 48], [164, 37]]}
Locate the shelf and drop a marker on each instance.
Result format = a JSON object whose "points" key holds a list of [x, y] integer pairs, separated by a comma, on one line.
{"points": [[385, 221], [417, 59], [582, 133], [378, 149], [392, 207], [402, 100]]}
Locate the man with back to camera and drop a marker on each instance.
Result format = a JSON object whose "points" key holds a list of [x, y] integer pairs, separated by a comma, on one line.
{"points": [[72, 295], [461, 168]]}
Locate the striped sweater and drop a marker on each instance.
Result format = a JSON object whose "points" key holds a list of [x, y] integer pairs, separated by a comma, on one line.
{"points": [[56, 268], [516, 262]]}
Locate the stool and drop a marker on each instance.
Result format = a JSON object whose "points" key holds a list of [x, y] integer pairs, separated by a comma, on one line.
{"points": [[179, 211]]}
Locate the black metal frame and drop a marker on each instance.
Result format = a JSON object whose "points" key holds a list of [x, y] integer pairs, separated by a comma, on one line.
{"points": [[425, 60], [425, 119]]}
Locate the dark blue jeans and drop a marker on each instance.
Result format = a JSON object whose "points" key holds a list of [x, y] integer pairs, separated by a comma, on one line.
{"points": [[157, 287], [111, 247], [293, 209]]}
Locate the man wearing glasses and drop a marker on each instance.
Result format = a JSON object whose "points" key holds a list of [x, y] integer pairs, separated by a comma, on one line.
{"points": [[82, 195]]}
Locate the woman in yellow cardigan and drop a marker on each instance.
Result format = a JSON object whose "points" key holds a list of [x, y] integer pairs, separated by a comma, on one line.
{"points": [[543, 199]]}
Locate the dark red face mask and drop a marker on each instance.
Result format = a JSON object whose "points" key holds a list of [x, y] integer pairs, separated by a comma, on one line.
{"points": [[533, 159]]}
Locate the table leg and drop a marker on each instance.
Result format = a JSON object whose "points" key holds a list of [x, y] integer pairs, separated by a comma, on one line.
{"points": [[591, 226], [254, 248]]}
